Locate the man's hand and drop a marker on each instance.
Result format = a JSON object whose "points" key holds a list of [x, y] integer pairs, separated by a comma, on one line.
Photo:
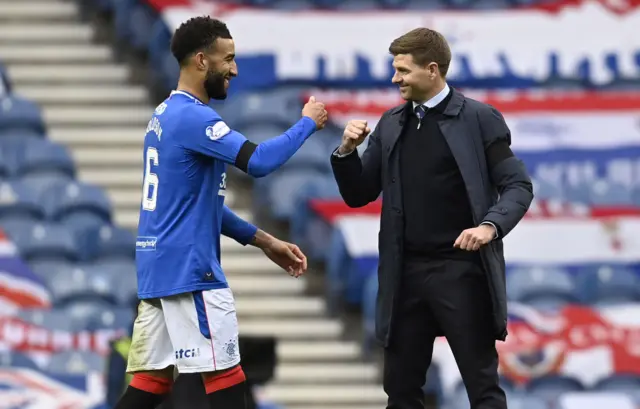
{"points": [[315, 110], [286, 255], [473, 239], [354, 134]]}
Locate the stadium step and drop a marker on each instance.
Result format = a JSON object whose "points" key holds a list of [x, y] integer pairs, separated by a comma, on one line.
{"points": [[312, 351], [107, 156], [256, 285], [326, 373], [45, 33], [337, 394], [292, 306], [90, 53], [61, 94], [292, 329], [133, 115], [34, 11], [23, 75]]}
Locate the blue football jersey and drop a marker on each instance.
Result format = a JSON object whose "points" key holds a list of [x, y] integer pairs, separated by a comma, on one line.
{"points": [[186, 149]]}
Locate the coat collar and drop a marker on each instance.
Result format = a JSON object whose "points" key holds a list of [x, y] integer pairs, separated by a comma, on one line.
{"points": [[453, 107]]}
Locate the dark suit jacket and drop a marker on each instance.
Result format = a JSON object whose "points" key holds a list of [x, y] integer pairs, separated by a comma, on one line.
{"points": [[500, 192]]}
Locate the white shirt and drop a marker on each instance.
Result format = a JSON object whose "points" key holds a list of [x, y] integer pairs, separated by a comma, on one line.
{"points": [[435, 100]]}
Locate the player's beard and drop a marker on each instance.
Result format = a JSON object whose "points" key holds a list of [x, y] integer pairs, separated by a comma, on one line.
{"points": [[214, 85]]}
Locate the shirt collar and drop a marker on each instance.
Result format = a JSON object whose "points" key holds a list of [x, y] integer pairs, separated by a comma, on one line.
{"points": [[435, 100]]}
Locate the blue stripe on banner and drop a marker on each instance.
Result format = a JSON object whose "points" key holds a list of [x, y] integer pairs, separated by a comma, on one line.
{"points": [[203, 322]]}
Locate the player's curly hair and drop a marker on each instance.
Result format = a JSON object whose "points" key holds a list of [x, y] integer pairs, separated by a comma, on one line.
{"points": [[195, 35]]}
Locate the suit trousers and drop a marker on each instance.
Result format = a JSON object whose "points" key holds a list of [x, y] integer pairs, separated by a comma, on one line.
{"points": [[442, 297]]}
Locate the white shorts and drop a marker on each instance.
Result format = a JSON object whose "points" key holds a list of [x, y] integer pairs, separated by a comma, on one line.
{"points": [[197, 332]]}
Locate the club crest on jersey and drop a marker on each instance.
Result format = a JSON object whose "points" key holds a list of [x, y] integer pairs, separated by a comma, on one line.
{"points": [[160, 109], [217, 131]]}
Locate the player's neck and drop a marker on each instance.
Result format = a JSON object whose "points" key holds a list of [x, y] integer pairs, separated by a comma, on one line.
{"points": [[196, 91]]}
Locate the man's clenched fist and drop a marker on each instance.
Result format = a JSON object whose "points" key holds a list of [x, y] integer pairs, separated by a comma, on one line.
{"points": [[354, 134], [315, 110]]}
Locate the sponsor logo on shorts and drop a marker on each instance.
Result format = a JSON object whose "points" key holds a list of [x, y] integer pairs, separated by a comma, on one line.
{"points": [[146, 243], [188, 353]]}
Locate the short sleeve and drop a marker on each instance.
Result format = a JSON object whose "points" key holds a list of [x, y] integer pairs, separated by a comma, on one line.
{"points": [[211, 136]]}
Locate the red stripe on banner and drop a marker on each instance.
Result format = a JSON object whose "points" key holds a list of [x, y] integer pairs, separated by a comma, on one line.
{"points": [[330, 210], [378, 101]]}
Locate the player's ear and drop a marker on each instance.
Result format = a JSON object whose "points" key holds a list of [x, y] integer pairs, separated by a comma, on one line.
{"points": [[201, 61]]}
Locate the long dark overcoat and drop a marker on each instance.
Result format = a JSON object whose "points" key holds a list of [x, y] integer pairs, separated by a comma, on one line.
{"points": [[498, 192]]}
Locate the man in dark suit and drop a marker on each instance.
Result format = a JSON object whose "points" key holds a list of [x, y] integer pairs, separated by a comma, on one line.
{"points": [[452, 190]]}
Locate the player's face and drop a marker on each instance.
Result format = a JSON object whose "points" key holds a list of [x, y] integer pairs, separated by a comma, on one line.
{"points": [[221, 68], [415, 81]]}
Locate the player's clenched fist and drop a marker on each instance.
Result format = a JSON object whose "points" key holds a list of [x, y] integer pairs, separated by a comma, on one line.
{"points": [[354, 134], [315, 110]]}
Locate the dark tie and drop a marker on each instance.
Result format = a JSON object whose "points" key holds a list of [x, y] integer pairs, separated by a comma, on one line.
{"points": [[420, 112]]}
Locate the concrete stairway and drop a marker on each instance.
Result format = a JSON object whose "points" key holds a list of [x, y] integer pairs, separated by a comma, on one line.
{"points": [[90, 106]]}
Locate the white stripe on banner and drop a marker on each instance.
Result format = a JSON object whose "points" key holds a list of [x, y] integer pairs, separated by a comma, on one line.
{"points": [[562, 241], [530, 44]]}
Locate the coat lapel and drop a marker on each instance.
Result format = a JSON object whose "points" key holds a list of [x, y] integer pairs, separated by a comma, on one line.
{"points": [[456, 133], [400, 115]]}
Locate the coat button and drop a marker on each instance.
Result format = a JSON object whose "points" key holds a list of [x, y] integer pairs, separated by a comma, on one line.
{"points": [[398, 211], [393, 180]]}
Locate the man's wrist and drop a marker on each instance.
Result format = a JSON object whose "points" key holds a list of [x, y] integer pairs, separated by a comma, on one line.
{"points": [[493, 227], [344, 151], [261, 239]]}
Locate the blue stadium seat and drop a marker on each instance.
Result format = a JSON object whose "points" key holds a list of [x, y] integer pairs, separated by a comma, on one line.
{"points": [[608, 284], [81, 282], [541, 285], [45, 268], [79, 205], [260, 132], [5, 82], [580, 193], [528, 402], [19, 116], [108, 243], [338, 264], [117, 318], [84, 310], [311, 155], [159, 43], [369, 296], [76, 363], [123, 276], [39, 182], [142, 18], [545, 190], [54, 319], [45, 157], [5, 168], [552, 386], [625, 383], [166, 76], [43, 241], [16, 360], [286, 188], [609, 193], [18, 202], [308, 229], [281, 107]]}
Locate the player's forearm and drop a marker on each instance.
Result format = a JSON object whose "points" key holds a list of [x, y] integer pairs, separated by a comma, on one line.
{"points": [[262, 239], [236, 228], [271, 154]]}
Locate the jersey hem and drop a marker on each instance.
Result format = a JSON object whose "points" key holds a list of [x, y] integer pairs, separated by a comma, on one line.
{"points": [[182, 290]]}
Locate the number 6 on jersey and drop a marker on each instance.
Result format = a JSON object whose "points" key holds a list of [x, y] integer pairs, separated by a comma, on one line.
{"points": [[150, 181]]}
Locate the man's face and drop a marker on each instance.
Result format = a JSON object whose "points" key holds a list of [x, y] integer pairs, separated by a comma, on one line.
{"points": [[220, 68], [415, 81]]}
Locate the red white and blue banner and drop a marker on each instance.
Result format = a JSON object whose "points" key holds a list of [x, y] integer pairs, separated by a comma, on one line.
{"points": [[584, 343], [29, 389], [19, 286], [497, 48]]}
